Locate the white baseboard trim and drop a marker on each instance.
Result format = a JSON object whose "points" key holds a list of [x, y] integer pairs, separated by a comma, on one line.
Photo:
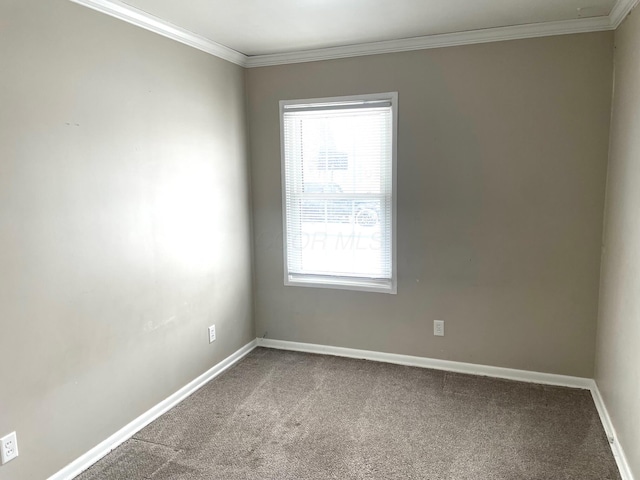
{"points": [[448, 365], [616, 448], [96, 453], [473, 369]]}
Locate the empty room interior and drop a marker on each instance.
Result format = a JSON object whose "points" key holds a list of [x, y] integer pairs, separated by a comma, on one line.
{"points": [[319, 239]]}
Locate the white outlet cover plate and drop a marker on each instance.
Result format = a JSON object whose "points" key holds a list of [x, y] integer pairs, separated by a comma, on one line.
{"points": [[438, 328], [8, 447], [212, 333]]}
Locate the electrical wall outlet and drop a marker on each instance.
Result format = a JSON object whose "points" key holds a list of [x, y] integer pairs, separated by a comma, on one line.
{"points": [[438, 328], [212, 333], [8, 448]]}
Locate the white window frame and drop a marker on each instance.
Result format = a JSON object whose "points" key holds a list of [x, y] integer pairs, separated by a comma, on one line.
{"points": [[343, 282]]}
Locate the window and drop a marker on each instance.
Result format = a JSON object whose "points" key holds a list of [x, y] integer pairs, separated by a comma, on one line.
{"points": [[338, 176]]}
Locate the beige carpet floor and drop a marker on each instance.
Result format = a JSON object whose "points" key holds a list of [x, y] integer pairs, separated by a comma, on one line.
{"points": [[281, 415]]}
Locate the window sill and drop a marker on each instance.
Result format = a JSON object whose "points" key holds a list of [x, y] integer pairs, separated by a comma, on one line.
{"points": [[341, 283]]}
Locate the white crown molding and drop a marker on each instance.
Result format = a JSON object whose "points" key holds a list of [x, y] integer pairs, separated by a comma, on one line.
{"points": [[436, 41], [621, 9], [103, 448], [433, 363], [132, 15]]}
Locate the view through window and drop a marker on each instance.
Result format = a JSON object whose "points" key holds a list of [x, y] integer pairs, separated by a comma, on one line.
{"points": [[338, 181]]}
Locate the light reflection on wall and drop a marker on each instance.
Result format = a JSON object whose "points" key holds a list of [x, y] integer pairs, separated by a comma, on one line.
{"points": [[185, 226]]}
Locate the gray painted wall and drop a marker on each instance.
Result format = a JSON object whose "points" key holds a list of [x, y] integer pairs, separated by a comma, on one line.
{"points": [[501, 178], [618, 350], [124, 225], [125, 231]]}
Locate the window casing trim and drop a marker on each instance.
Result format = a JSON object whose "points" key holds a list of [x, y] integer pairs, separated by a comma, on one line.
{"points": [[344, 282]]}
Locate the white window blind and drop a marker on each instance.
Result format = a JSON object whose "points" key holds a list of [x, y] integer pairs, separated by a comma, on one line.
{"points": [[338, 181]]}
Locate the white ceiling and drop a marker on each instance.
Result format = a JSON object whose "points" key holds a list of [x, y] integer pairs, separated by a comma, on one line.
{"points": [[259, 27]]}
